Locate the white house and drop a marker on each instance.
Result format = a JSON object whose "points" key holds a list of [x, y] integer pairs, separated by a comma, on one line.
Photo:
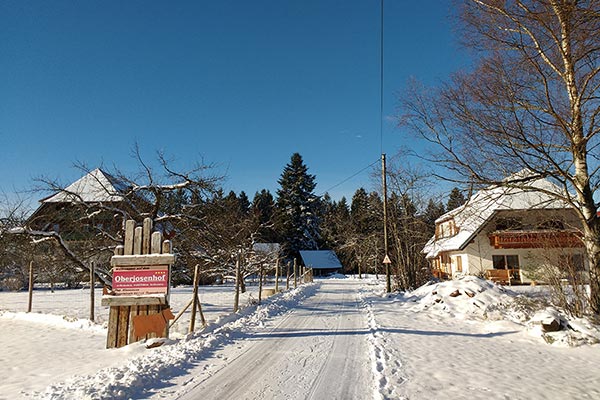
{"points": [[501, 232]]}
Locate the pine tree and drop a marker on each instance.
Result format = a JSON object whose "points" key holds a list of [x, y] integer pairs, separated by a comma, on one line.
{"points": [[434, 210], [298, 207], [263, 209], [359, 211], [244, 203], [455, 200]]}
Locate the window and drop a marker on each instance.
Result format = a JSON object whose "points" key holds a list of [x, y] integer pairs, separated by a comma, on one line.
{"points": [[573, 262], [446, 229], [506, 261]]}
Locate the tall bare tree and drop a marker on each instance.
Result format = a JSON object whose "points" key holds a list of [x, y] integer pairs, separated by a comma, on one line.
{"points": [[532, 101]]}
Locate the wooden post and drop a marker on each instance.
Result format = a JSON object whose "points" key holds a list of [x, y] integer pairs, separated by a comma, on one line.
{"points": [[260, 283], [295, 273], [202, 319], [92, 287], [277, 276], [236, 300], [287, 281], [30, 303], [195, 299]]}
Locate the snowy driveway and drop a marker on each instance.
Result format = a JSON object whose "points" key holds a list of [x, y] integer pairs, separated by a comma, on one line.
{"points": [[317, 351]]}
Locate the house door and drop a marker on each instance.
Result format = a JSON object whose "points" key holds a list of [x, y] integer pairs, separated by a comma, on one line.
{"points": [[458, 263]]}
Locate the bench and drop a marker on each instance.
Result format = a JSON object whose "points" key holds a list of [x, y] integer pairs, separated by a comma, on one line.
{"points": [[502, 276]]}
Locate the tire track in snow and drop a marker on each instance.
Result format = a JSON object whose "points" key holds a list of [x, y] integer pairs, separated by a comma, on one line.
{"points": [[252, 359], [386, 363], [313, 394]]}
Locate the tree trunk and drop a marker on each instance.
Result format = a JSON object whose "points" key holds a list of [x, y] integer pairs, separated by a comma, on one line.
{"points": [[592, 245]]}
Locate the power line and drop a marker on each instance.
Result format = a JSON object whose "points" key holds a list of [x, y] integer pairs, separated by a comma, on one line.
{"points": [[350, 177]]}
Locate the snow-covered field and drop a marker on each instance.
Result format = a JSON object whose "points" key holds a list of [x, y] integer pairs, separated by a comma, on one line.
{"points": [[339, 337]]}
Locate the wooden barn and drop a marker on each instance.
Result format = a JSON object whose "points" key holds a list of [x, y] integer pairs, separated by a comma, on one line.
{"points": [[323, 262]]}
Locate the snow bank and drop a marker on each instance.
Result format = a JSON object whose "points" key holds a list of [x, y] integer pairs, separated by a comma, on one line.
{"points": [[466, 297], [142, 373], [59, 321], [473, 298]]}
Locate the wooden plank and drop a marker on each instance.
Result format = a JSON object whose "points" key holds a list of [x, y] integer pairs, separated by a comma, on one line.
{"points": [[123, 326], [133, 300], [132, 313], [142, 260], [113, 321], [165, 332], [167, 247], [156, 246], [137, 240], [151, 311], [129, 230], [142, 310], [146, 235]]}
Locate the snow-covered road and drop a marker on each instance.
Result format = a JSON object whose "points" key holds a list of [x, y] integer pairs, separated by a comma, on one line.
{"points": [[317, 351], [335, 339]]}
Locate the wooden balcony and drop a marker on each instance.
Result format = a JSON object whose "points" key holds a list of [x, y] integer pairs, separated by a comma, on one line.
{"points": [[535, 239]]}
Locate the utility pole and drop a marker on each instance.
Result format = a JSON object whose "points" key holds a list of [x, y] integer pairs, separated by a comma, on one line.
{"points": [[386, 260]]}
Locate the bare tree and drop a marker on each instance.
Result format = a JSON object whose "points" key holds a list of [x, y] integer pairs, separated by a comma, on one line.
{"points": [[407, 224], [532, 102], [86, 221]]}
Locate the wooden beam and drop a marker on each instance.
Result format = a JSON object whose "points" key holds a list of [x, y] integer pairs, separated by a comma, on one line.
{"points": [[129, 229], [146, 235], [133, 300], [142, 260], [137, 240], [156, 243]]}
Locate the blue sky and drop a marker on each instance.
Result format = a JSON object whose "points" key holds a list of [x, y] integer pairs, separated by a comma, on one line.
{"points": [[237, 83]]}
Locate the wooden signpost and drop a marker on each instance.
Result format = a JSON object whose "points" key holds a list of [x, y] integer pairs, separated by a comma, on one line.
{"points": [[139, 301]]}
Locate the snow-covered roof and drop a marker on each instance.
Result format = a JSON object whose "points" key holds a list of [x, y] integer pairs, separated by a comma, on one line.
{"points": [[479, 209], [320, 259], [95, 186]]}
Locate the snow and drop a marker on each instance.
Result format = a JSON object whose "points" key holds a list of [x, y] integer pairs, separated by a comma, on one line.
{"points": [[337, 338], [95, 186]]}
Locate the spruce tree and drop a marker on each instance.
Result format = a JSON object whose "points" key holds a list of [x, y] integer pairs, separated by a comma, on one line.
{"points": [[455, 200], [434, 210], [298, 207], [263, 209]]}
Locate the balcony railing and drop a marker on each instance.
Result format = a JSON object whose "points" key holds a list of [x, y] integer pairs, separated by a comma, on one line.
{"points": [[535, 239]]}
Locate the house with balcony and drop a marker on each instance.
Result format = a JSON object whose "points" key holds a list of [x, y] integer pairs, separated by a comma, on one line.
{"points": [[504, 233]]}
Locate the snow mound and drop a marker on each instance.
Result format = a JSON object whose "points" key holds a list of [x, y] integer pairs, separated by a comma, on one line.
{"points": [[465, 297], [473, 298]]}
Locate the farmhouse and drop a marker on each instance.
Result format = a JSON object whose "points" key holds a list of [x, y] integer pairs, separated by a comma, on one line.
{"points": [[505, 233], [94, 198], [323, 262]]}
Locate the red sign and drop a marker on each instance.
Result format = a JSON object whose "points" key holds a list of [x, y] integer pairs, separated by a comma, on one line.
{"points": [[141, 280]]}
